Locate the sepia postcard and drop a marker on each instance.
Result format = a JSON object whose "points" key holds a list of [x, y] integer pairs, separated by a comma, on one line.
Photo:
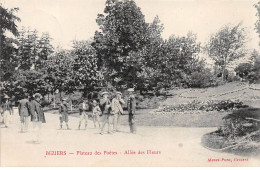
{"points": [[130, 83]]}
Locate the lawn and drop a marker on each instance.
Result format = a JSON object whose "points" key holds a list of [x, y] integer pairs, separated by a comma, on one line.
{"points": [[146, 117]]}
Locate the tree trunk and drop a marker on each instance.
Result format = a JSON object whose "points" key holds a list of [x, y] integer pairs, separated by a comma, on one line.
{"points": [[71, 104], [223, 70], [54, 100]]}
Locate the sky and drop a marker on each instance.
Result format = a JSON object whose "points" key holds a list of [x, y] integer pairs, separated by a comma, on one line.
{"points": [[68, 20]]}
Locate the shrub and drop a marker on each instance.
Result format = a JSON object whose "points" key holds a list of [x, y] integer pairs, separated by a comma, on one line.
{"points": [[243, 70], [241, 122], [200, 79]]}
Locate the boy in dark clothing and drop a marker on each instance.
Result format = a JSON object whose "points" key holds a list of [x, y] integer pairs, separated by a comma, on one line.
{"points": [[63, 110]]}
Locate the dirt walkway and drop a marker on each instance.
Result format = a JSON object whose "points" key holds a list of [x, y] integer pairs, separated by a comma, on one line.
{"points": [[170, 146]]}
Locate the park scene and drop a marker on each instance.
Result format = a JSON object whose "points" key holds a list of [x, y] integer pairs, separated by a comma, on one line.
{"points": [[124, 93]]}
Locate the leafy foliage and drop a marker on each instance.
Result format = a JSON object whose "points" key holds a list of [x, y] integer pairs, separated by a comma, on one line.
{"points": [[85, 69], [227, 45], [257, 24], [8, 50], [200, 79]]}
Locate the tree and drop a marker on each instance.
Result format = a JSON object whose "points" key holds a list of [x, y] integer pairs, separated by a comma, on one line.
{"points": [[254, 75], [8, 49], [28, 48], [44, 49], [226, 45], [243, 70], [257, 24], [85, 67], [59, 70], [123, 32], [178, 58]]}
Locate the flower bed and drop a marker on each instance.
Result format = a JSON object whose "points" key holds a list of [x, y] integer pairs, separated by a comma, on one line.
{"points": [[204, 106], [240, 133]]}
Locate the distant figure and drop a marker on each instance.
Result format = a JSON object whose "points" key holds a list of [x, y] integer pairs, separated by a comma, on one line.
{"points": [[7, 110], [83, 108], [63, 110], [117, 110], [96, 114], [37, 116], [105, 106], [131, 106], [23, 109]]}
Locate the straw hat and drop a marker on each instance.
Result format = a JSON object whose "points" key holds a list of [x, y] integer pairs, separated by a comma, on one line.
{"points": [[94, 102], [118, 93], [6, 97], [64, 99], [103, 93], [37, 95], [130, 90]]}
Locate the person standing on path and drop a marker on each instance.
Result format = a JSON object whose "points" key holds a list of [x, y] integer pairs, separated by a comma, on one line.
{"points": [[96, 114], [24, 113], [117, 109], [37, 116], [105, 106], [131, 106], [83, 108], [63, 110], [7, 110]]}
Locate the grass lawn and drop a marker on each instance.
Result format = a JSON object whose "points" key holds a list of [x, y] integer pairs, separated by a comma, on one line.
{"points": [[181, 119], [144, 117]]}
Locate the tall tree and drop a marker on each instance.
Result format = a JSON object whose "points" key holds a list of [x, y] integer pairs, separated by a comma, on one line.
{"points": [[179, 54], [123, 31], [85, 68], [8, 49], [257, 24], [226, 45], [59, 70], [28, 48], [44, 49]]}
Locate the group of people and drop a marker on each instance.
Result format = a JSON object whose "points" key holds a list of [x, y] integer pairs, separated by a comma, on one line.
{"points": [[106, 112], [28, 108]]}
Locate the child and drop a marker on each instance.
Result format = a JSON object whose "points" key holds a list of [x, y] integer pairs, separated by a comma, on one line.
{"points": [[63, 110], [83, 108], [96, 112]]}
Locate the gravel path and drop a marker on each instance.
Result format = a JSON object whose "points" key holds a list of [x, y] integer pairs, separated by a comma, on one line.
{"points": [[170, 146]]}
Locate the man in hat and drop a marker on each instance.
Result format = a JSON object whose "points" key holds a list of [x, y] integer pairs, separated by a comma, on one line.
{"points": [[105, 106], [83, 108], [37, 116], [117, 110], [23, 109], [63, 110], [7, 110], [131, 106]]}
